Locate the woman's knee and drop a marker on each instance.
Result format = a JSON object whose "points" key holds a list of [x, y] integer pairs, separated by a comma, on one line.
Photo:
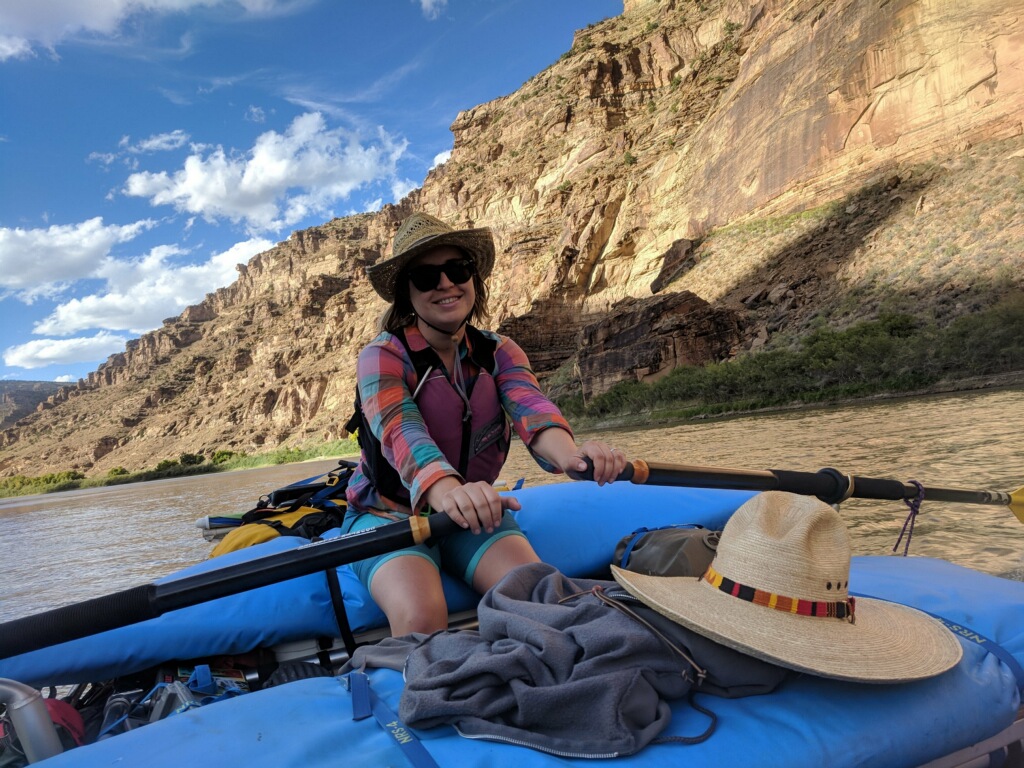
{"points": [[408, 590], [501, 557]]}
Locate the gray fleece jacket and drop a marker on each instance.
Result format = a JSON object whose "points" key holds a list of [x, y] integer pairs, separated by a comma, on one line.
{"points": [[554, 667]]}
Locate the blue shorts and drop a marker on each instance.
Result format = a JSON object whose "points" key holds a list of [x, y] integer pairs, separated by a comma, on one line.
{"points": [[457, 554]]}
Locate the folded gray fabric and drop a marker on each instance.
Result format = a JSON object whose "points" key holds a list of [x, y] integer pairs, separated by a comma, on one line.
{"points": [[567, 675]]}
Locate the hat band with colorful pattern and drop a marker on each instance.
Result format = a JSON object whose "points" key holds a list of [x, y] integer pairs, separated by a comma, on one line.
{"points": [[840, 609]]}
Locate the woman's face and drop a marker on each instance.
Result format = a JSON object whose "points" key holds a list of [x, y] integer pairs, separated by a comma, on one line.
{"points": [[446, 304]]}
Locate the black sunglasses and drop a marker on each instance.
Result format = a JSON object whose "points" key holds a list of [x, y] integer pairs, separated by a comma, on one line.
{"points": [[427, 276]]}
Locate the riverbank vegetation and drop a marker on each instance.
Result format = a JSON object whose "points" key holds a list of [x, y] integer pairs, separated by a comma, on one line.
{"points": [[183, 465], [897, 353]]}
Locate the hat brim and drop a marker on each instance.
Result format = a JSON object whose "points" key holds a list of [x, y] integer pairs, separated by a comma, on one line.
{"points": [[889, 643], [478, 243]]}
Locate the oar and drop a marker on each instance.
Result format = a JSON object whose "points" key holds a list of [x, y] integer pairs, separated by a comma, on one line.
{"points": [[829, 485], [151, 600]]}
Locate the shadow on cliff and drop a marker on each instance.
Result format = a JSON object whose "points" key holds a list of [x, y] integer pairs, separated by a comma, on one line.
{"points": [[798, 282]]}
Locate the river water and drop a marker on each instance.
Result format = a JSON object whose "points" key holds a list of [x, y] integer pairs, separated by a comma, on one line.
{"points": [[62, 548]]}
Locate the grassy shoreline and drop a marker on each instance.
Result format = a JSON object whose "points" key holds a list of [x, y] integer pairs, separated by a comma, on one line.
{"points": [[669, 416], [660, 417], [185, 466], [894, 356]]}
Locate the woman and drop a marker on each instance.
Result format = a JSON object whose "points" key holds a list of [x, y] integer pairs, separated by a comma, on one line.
{"points": [[435, 396]]}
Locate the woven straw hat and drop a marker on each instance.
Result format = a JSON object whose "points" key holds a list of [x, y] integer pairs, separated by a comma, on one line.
{"points": [[418, 234], [778, 590]]}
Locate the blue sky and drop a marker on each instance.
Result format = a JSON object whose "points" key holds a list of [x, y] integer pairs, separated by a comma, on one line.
{"points": [[149, 146]]}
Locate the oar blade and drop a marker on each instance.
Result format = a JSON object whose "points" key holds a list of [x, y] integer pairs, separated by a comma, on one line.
{"points": [[1017, 503]]}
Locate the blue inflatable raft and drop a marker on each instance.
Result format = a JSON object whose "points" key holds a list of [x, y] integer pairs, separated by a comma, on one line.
{"points": [[966, 716]]}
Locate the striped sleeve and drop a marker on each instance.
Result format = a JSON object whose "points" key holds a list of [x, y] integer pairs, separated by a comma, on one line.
{"points": [[529, 410], [383, 372]]}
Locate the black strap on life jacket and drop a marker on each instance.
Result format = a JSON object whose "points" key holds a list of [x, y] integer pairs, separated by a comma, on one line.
{"points": [[384, 477]]}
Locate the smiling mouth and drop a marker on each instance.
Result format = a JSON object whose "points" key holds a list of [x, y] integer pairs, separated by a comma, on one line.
{"points": [[449, 300]]}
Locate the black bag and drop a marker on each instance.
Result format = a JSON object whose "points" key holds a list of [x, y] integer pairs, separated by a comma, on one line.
{"points": [[674, 550]]}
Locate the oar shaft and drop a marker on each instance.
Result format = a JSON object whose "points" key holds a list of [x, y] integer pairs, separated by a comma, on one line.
{"points": [[968, 497], [829, 485], [151, 600]]}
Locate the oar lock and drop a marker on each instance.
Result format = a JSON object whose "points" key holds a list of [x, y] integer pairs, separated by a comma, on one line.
{"points": [[843, 483]]}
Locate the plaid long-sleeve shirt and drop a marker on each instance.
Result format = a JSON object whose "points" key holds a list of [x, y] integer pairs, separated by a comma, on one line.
{"points": [[386, 376]]}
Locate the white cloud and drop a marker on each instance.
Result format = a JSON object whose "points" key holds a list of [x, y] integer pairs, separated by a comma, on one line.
{"points": [[440, 158], [402, 187], [43, 352], [432, 8], [370, 207], [284, 178], [67, 378], [161, 142], [14, 48], [105, 158], [141, 293], [46, 23], [37, 261], [255, 114]]}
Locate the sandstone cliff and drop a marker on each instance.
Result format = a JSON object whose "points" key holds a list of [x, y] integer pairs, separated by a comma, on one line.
{"points": [[20, 398], [651, 185]]}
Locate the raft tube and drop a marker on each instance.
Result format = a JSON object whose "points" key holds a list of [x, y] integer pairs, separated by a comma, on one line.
{"points": [[573, 526], [807, 723]]}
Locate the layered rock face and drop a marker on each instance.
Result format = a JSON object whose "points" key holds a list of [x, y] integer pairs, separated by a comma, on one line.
{"points": [[20, 398], [599, 178]]}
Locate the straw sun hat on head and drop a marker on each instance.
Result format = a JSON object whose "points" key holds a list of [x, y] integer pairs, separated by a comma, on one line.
{"points": [[417, 235], [778, 590]]}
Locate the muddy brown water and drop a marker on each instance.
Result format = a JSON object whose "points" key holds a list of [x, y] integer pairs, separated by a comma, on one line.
{"points": [[63, 548]]}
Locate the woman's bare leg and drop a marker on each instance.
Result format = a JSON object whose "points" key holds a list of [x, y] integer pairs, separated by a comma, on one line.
{"points": [[408, 590], [500, 558]]}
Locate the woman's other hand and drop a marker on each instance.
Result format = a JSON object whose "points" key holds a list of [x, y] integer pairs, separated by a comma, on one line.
{"points": [[608, 462], [476, 506]]}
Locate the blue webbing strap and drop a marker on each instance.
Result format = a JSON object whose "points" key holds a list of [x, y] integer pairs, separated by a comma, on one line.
{"points": [[201, 681], [365, 702], [989, 645], [969, 634], [636, 536]]}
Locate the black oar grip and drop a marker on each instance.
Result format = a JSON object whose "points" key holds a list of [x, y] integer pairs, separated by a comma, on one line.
{"points": [[588, 473], [833, 487], [73, 621], [880, 488]]}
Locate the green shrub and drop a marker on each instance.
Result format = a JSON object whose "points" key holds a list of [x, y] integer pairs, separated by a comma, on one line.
{"points": [[166, 464], [191, 459], [895, 353], [117, 472], [20, 485], [221, 456]]}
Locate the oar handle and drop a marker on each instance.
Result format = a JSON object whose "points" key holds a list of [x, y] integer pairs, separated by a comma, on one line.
{"points": [[78, 620], [149, 601], [588, 473]]}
